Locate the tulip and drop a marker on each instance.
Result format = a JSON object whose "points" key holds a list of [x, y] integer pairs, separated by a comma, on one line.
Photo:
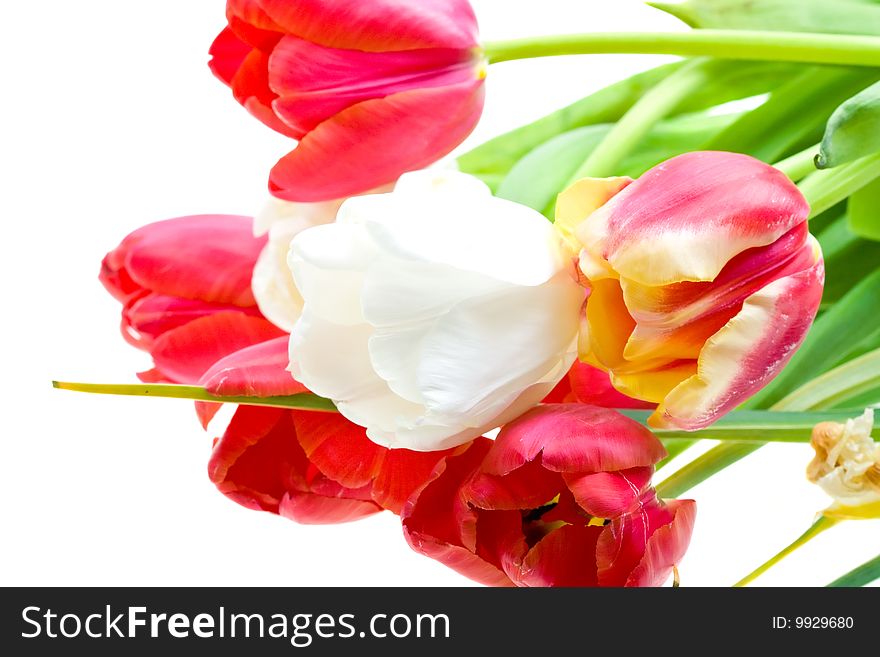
{"points": [[703, 281], [185, 288], [562, 497], [435, 312], [586, 384], [370, 89], [847, 466]]}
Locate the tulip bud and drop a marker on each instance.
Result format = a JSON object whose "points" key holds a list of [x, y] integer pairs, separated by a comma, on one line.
{"points": [[703, 281]]}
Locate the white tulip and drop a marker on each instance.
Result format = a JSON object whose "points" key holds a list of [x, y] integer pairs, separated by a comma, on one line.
{"points": [[433, 313], [272, 283]]}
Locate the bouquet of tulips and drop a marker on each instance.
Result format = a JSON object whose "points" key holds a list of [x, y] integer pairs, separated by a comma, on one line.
{"points": [[501, 345]]}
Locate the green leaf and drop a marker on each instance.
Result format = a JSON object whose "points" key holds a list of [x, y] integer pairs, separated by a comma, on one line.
{"points": [[826, 188], [848, 259], [830, 339], [832, 16], [853, 131], [544, 172], [795, 115], [864, 574], [857, 379], [864, 211], [493, 159]]}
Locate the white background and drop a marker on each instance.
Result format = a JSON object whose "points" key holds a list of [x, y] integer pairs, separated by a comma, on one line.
{"points": [[111, 120]]}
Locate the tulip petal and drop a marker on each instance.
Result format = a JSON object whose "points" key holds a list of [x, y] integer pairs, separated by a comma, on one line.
{"points": [[609, 494], [528, 487], [311, 509], [748, 351], [184, 354], [250, 87], [580, 199], [565, 557], [206, 411], [314, 82], [402, 472], [378, 25], [666, 547], [381, 138], [228, 52], [248, 20], [623, 542], [573, 438], [259, 370], [686, 218], [586, 384], [204, 257]]}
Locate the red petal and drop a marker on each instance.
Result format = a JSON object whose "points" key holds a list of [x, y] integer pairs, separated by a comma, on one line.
{"points": [[205, 257], [667, 546], [206, 412], [373, 142], [565, 557], [573, 438], [624, 540], [250, 87], [609, 494], [401, 473], [590, 385], [184, 354], [378, 25], [340, 449], [311, 509], [227, 54], [527, 487], [256, 371], [251, 23], [257, 461], [315, 82]]}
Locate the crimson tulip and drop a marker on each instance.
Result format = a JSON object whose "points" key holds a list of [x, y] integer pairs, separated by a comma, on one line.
{"points": [[370, 89], [562, 497]]}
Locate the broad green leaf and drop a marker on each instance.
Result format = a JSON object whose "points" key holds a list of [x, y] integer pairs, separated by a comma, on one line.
{"points": [[544, 172], [833, 16], [853, 131], [848, 259], [864, 211], [858, 379], [795, 115], [865, 574], [831, 338], [493, 159]]}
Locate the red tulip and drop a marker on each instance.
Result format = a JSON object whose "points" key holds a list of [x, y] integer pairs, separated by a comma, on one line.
{"points": [[371, 89], [586, 384], [562, 497], [703, 281], [185, 285]]}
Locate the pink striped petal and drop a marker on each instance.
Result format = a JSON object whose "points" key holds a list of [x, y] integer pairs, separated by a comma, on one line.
{"points": [[609, 494], [204, 257], [573, 438], [686, 218], [748, 351], [184, 354], [377, 25], [381, 139], [256, 371], [666, 547], [315, 82]]}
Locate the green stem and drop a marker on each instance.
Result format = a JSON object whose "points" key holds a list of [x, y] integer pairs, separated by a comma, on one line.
{"points": [[700, 469], [828, 187], [817, 528], [305, 401], [802, 47], [864, 574], [799, 165], [651, 108]]}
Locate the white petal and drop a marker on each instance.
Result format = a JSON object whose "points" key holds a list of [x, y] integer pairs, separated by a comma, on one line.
{"points": [[273, 287]]}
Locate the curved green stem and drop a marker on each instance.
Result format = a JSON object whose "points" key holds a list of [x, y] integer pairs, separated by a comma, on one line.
{"points": [[799, 165], [828, 187], [651, 108], [802, 47], [817, 528], [864, 574]]}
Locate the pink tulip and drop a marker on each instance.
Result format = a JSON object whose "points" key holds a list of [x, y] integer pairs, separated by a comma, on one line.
{"points": [[562, 497], [703, 281], [371, 89], [185, 286]]}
